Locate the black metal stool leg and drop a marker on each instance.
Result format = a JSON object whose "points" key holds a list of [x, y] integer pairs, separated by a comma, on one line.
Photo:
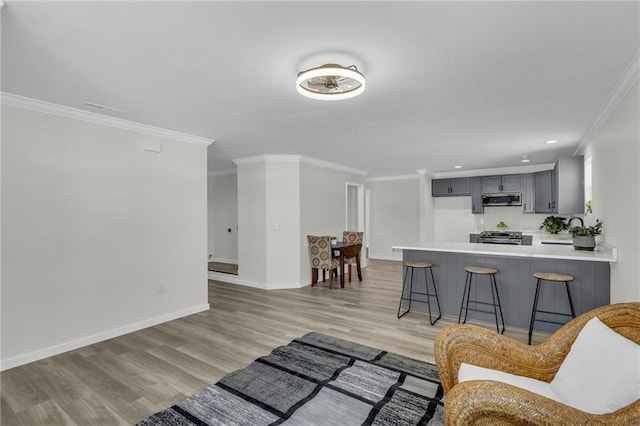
{"points": [[493, 297], [466, 308], [410, 292], [435, 292], [426, 286], [534, 310], [573, 311], [464, 293], [495, 285]]}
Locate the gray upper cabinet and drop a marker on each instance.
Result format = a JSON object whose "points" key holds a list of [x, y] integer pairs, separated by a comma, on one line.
{"points": [[506, 183], [450, 187], [561, 190], [569, 185], [544, 189], [476, 195], [528, 195]]}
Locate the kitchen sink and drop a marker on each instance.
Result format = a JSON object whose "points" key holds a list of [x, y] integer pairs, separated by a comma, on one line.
{"points": [[558, 242]]}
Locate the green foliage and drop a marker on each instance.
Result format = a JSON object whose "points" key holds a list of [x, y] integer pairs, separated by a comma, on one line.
{"points": [[554, 224], [501, 225], [587, 230]]}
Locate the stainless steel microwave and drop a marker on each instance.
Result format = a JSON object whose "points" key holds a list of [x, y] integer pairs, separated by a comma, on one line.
{"points": [[502, 199]]}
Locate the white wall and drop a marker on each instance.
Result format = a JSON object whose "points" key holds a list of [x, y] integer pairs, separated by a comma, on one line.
{"points": [[615, 153], [283, 224], [322, 206], [91, 226], [395, 216], [252, 232], [454, 220], [222, 216]]}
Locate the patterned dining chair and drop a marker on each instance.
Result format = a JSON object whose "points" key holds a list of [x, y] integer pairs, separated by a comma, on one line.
{"points": [[353, 237], [321, 258]]}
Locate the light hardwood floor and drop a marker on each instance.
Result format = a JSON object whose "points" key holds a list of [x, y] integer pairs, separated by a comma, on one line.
{"points": [[123, 380]]}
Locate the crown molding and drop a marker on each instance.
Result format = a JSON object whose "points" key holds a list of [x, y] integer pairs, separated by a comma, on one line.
{"points": [[390, 178], [37, 105], [338, 167], [531, 168], [266, 158], [626, 81], [297, 158]]}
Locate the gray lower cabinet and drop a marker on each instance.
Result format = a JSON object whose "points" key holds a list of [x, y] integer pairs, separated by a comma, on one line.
{"points": [[450, 187], [476, 195], [516, 286]]}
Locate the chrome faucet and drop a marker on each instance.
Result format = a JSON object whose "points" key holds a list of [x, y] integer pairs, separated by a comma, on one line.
{"points": [[573, 218]]}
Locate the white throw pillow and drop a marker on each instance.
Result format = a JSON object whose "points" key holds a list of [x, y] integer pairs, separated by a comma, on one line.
{"points": [[473, 372], [601, 373]]}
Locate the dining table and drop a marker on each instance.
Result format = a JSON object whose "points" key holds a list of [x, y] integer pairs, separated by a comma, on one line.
{"points": [[339, 249]]}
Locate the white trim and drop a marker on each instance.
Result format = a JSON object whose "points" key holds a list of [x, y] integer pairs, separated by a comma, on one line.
{"points": [[338, 167], [223, 173], [532, 168], [39, 354], [297, 158], [390, 178], [626, 81], [268, 158], [233, 279], [425, 172], [221, 260], [18, 101]]}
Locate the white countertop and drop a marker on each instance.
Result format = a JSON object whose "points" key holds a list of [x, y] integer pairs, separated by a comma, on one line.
{"points": [[602, 253]]}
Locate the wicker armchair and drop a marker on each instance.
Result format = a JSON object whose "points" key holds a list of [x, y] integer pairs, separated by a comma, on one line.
{"points": [[489, 402]]}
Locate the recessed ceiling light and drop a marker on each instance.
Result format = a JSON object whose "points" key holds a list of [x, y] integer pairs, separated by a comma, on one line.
{"points": [[551, 141], [524, 159], [457, 167]]}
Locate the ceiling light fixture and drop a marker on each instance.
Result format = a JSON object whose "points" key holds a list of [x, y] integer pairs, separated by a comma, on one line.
{"points": [[330, 82], [524, 159], [551, 141], [457, 167]]}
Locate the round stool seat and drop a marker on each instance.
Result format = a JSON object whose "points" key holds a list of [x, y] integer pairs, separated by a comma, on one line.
{"points": [[419, 264], [551, 276], [480, 270]]}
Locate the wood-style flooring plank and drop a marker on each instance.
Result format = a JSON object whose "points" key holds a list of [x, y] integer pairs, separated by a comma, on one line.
{"points": [[125, 379]]}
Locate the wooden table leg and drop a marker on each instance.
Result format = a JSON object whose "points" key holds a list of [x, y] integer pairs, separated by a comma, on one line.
{"points": [[341, 269]]}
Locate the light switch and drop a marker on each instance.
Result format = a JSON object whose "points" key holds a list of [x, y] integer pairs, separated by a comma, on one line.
{"points": [[152, 147]]}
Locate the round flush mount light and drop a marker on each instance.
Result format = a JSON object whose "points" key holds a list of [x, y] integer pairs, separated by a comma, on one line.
{"points": [[551, 141], [330, 82]]}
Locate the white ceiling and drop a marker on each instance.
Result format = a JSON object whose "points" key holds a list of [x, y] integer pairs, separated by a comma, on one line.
{"points": [[476, 84]]}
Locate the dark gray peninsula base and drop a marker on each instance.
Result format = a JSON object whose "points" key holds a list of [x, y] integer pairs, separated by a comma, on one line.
{"points": [[516, 284]]}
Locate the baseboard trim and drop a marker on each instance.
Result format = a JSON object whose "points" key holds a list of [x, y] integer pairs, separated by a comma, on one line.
{"points": [[222, 260], [233, 279], [29, 357]]}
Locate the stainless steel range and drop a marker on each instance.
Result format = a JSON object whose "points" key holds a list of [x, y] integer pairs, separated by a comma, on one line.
{"points": [[501, 237]]}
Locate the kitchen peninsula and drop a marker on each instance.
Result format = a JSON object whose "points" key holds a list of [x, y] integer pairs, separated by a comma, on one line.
{"points": [[516, 284]]}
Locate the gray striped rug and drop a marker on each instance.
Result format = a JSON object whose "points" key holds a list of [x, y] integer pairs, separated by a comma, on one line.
{"points": [[317, 380]]}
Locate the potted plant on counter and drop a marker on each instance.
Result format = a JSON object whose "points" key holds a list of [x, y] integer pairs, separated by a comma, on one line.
{"points": [[554, 224], [584, 237]]}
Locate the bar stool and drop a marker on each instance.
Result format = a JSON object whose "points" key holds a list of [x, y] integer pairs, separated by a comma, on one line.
{"points": [[424, 266], [551, 277], [491, 272]]}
